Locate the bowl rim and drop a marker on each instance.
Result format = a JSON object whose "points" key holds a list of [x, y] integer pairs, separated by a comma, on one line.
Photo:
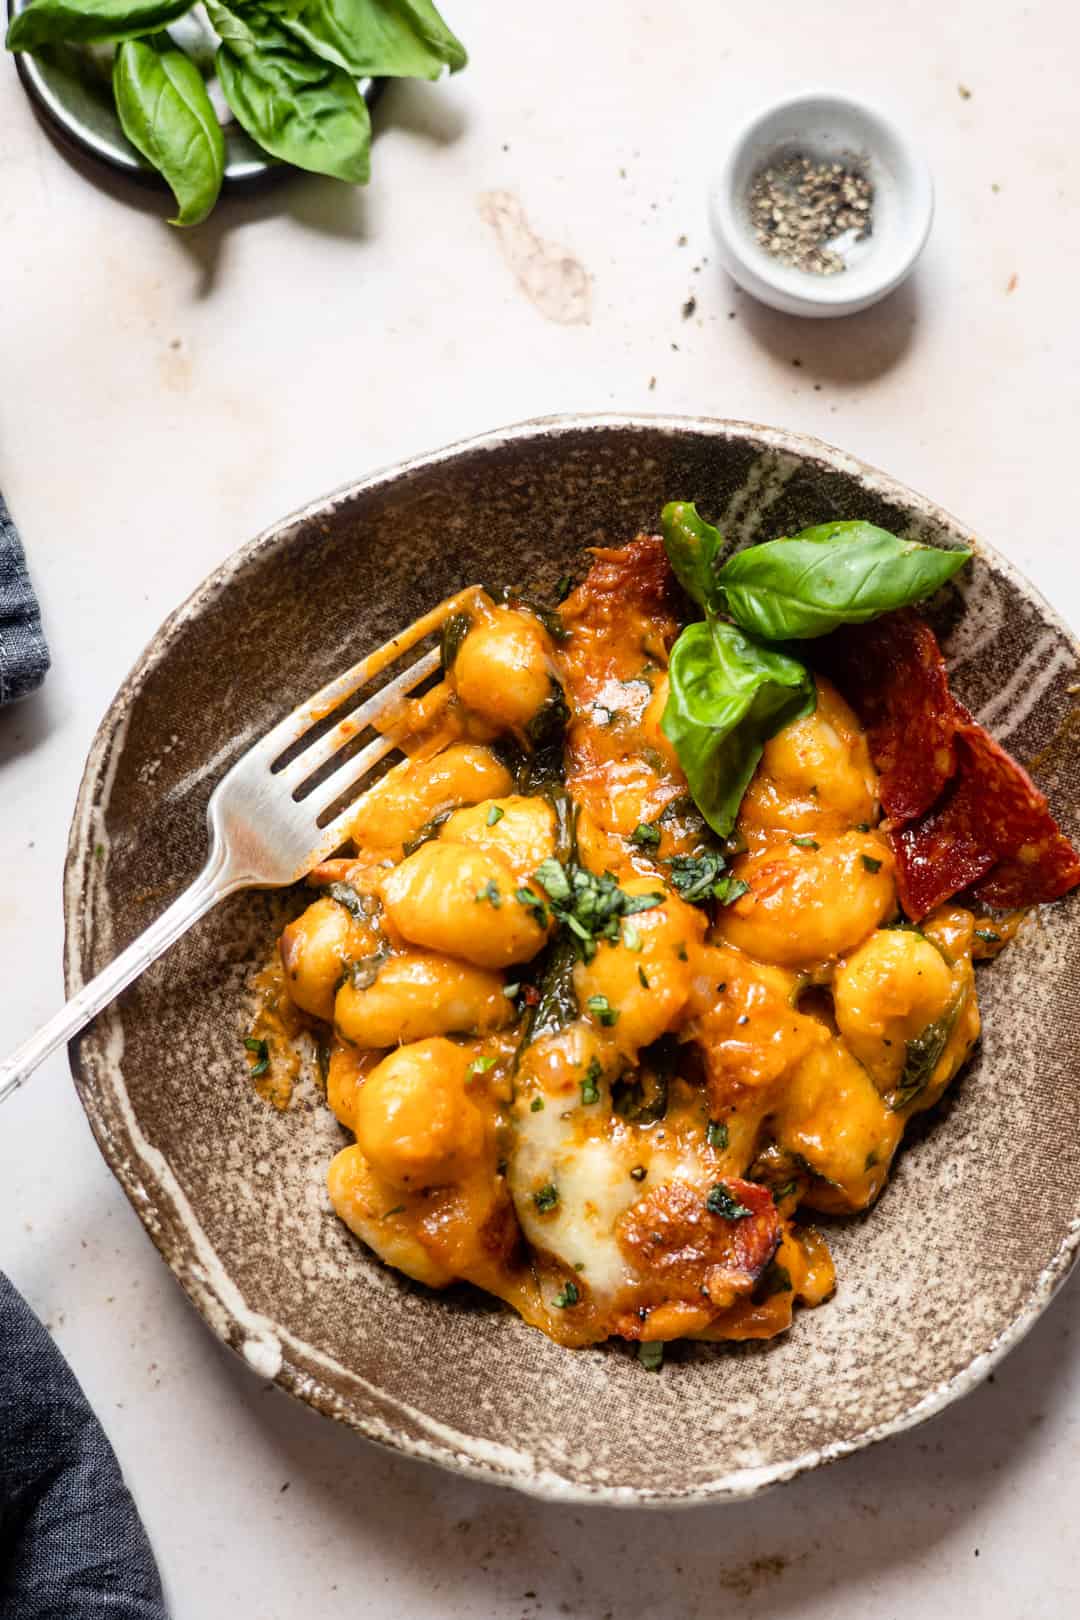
{"points": [[144, 1172]]}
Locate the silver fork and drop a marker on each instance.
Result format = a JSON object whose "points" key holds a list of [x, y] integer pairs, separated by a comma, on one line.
{"points": [[263, 825]]}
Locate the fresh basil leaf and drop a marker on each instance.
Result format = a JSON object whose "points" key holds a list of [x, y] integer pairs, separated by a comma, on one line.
{"points": [[693, 548], [303, 110], [166, 113], [388, 39], [85, 22], [836, 573], [728, 696]]}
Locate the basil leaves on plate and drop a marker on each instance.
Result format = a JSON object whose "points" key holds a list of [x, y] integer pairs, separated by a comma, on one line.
{"points": [[730, 691], [166, 112], [298, 107], [728, 696], [89, 21], [85, 22], [371, 39], [287, 68], [833, 574]]}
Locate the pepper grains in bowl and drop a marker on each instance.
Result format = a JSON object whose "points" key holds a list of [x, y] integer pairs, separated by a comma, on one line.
{"points": [[809, 214]]}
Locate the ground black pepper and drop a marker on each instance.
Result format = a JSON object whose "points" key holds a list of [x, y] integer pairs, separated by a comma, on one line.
{"points": [[808, 213]]}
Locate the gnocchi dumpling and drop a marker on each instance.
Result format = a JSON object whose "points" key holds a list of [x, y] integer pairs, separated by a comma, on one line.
{"points": [[417, 994], [504, 670], [414, 1119], [461, 899], [315, 951], [414, 793], [811, 900]]}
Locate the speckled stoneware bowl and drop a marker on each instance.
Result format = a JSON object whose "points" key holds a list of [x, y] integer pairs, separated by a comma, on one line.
{"points": [[966, 1247]]}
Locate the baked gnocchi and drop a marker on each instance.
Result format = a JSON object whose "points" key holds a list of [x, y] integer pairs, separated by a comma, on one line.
{"points": [[592, 1058]]}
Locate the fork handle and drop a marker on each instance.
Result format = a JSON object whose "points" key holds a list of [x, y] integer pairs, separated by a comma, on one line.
{"points": [[213, 883]]}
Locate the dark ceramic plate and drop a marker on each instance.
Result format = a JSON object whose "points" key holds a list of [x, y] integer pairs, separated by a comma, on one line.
{"points": [[982, 1218]]}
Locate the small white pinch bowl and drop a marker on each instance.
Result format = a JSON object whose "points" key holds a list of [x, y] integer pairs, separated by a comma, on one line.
{"points": [[824, 125]]}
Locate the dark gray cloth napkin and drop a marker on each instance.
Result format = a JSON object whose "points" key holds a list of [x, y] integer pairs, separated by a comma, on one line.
{"points": [[24, 657], [72, 1546]]}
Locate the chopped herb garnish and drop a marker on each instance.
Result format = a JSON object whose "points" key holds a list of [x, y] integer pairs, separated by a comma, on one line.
{"points": [[536, 1105], [362, 973], [589, 907], [871, 1160], [921, 1057], [775, 1279], [490, 892], [556, 880], [651, 1356], [693, 876], [871, 864], [722, 1201], [700, 878], [804, 841], [479, 1065], [863, 827], [730, 889], [642, 980], [546, 1198], [638, 1173], [424, 835], [494, 815], [568, 1297], [602, 1010], [645, 835], [261, 1052], [785, 1191], [717, 1135], [988, 936], [532, 902], [590, 1092], [630, 937], [680, 951], [564, 587], [398, 1209], [346, 896], [454, 632]]}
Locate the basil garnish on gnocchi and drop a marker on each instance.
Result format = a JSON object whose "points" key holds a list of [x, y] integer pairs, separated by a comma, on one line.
{"points": [[619, 975]]}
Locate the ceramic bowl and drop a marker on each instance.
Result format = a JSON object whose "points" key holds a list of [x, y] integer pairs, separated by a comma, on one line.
{"points": [[981, 1220], [826, 127]]}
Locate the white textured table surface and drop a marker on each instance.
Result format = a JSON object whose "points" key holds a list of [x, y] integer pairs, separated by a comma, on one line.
{"points": [[162, 397]]}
